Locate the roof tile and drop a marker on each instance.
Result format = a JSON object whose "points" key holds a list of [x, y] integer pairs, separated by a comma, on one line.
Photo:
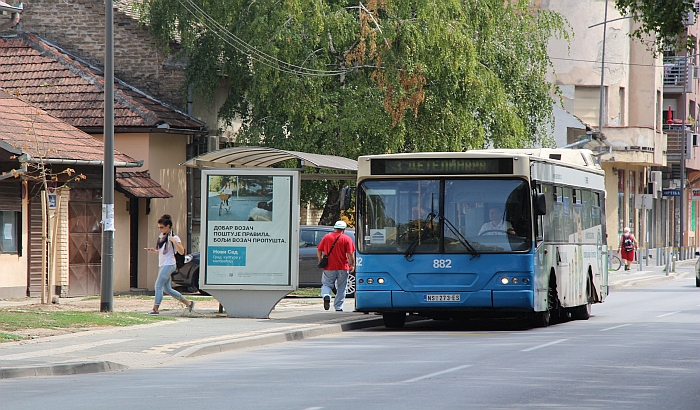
{"points": [[34, 131], [140, 185], [41, 74]]}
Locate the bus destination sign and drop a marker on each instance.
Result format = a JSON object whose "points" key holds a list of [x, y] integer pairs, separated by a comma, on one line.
{"points": [[442, 166]]}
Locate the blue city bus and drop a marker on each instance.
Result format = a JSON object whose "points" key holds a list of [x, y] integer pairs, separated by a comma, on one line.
{"points": [[481, 233]]}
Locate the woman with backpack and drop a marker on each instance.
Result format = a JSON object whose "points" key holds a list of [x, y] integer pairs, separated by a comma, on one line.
{"points": [[627, 246], [168, 244]]}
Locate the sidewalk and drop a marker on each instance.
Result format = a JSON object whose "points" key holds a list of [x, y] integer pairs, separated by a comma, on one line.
{"points": [[206, 331], [203, 332], [649, 275]]}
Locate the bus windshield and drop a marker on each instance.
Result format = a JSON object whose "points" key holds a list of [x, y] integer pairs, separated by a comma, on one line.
{"points": [[443, 215]]}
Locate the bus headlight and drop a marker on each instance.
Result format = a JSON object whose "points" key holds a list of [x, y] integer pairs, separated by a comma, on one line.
{"points": [[504, 281], [380, 281], [370, 281]]}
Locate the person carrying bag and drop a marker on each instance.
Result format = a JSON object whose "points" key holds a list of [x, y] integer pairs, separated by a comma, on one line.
{"points": [[336, 265], [324, 259]]}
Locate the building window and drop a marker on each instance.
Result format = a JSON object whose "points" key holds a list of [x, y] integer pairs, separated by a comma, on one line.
{"points": [[587, 104], [620, 200], [9, 231], [622, 106]]}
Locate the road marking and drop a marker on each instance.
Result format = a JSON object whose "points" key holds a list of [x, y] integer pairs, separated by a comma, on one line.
{"points": [[614, 327], [544, 345], [61, 350], [668, 314], [427, 376]]}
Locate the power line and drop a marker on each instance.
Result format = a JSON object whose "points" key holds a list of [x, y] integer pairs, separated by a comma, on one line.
{"points": [[607, 62], [247, 49]]}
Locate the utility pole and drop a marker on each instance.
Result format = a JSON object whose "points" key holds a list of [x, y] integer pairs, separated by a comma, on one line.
{"points": [[602, 73], [107, 282], [684, 146]]}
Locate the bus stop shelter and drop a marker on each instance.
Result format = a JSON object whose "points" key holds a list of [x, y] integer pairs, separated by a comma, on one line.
{"points": [[264, 157], [245, 284]]}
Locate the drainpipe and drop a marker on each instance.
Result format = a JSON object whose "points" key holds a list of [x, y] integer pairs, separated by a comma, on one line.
{"points": [[10, 24], [14, 20]]}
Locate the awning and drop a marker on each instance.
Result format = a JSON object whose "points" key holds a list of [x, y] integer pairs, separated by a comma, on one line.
{"points": [[263, 157], [139, 185]]}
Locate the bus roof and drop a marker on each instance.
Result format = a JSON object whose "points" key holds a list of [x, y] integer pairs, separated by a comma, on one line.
{"points": [[579, 158]]}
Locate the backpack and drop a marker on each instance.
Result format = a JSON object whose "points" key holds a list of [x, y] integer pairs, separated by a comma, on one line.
{"points": [[179, 258], [628, 244]]}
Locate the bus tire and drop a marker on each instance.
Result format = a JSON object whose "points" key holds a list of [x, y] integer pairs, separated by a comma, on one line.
{"points": [[584, 312], [541, 319], [546, 317], [394, 320]]}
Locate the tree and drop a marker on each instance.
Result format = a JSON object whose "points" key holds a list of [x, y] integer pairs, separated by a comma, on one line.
{"points": [[664, 19], [350, 78]]}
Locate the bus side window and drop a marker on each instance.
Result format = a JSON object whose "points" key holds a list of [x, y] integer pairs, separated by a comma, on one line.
{"points": [[539, 230]]}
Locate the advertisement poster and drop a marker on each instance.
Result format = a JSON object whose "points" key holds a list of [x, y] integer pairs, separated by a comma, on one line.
{"points": [[248, 229]]}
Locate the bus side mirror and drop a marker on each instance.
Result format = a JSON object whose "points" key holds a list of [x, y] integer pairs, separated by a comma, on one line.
{"points": [[345, 197], [540, 204]]}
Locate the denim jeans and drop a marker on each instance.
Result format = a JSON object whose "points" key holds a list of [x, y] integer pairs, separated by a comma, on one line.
{"points": [[163, 284], [338, 278]]}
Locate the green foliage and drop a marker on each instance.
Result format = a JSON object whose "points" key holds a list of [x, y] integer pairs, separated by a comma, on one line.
{"points": [[17, 319], [661, 22], [405, 75]]}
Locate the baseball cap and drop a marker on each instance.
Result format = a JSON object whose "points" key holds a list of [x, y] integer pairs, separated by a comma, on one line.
{"points": [[340, 225]]}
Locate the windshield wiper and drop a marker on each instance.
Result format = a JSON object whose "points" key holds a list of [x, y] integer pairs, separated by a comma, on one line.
{"points": [[468, 246], [414, 244]]}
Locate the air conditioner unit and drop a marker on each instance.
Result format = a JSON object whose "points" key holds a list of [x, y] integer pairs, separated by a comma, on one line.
{"points": [[689, 145], [655, 186]]}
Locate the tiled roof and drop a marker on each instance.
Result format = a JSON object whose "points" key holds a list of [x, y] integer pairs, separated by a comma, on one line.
{"points": [[139, 185], [67, 88], [27, 129]]}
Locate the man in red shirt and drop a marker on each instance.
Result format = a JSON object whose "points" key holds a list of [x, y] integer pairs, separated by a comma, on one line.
{"points": [[341, 260]]}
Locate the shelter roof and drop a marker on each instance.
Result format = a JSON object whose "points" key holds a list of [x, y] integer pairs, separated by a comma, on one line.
{"points": [[262, 157], [25, 129], [68, 88], [139, 185]]}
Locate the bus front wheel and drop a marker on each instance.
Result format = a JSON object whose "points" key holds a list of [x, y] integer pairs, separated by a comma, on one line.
{"points": [[394, 320]]}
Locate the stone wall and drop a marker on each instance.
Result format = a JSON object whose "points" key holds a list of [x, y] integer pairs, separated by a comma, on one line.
{"points": [[78, 26]]}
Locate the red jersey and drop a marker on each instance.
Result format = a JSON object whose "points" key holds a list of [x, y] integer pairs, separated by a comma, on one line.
{"points": [[338, 259]]}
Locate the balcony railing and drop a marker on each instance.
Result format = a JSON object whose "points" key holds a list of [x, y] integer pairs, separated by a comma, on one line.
{"points": [[676, 72]]}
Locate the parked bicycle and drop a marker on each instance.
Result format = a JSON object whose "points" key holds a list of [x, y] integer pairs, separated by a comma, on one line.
{"points": [[614, 262]]}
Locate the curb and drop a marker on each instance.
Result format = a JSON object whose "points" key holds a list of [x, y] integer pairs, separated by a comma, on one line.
{"points": [[255, 341], [63, 369], [646, 280]]}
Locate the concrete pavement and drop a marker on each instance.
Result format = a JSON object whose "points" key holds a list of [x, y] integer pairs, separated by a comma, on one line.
{"points": [[204, 332], [649, 275], [190, 335]]}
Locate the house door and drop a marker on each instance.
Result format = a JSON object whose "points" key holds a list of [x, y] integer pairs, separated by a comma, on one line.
{"points": [[85, 250]]}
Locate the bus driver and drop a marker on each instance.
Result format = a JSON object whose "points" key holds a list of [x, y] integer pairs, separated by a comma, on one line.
{"points": [[497, 225]]}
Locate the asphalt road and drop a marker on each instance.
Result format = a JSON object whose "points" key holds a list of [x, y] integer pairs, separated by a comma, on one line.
{"points": [[638, 351]]}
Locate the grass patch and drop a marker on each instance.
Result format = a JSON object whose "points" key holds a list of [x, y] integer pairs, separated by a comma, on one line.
{"points": [[147, 297], [6, 337], [307, 292], [19, 319]]}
